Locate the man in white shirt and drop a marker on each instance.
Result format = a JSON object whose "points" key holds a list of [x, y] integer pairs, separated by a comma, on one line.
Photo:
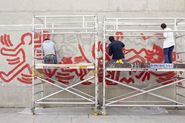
{"points": [[49, 51], [168, 44]]}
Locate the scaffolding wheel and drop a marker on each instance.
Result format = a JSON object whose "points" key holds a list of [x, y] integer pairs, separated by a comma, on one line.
{"points": [[176, 108], [104, 112], [97, 113], [33, 111]]}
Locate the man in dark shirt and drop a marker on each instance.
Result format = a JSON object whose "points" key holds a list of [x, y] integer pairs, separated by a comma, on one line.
{"points": [[115, 49]]}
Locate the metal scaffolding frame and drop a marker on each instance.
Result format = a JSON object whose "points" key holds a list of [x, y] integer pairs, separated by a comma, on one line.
{"points": [[138, 25], [63, 25], [116, 24]]}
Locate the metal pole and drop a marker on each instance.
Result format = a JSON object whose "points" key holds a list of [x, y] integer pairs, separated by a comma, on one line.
{"points": [[104, 70], [144, 92], [66, 89], [133, 92], [175, 85], [96, 65], [33, 67]]}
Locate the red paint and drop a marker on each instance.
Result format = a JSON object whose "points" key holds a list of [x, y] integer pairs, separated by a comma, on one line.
{"points": [[83, 54], [15, 56]]}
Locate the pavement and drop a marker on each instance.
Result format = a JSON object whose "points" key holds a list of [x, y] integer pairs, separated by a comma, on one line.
{"points": [[85, 115]]}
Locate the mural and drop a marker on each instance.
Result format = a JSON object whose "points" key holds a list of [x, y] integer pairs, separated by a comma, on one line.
{"points": [[152, 55], [18, 59]]}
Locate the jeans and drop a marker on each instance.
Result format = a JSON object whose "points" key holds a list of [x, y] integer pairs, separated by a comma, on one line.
{"points": [[50, 59], [168, 54]]}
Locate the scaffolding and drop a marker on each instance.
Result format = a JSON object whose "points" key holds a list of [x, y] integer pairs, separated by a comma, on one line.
{"points": [[132, 28], [77, 25], [63, 26]]}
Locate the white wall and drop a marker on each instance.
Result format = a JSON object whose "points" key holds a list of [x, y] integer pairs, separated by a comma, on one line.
{"points": [[92, 5], [16, 94]]}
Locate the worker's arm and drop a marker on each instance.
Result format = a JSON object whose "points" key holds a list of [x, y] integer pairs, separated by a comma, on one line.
{"points": [[123, 45], [165, 34], [110, 50], [42, 48]]}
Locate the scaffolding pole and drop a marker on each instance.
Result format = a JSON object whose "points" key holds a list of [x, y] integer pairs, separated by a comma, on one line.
{"points": [[62, 25], [113, 25]]}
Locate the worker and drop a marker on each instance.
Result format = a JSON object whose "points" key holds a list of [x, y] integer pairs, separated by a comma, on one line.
{"points": [[49, 51], [168, 44], [116, 50]]}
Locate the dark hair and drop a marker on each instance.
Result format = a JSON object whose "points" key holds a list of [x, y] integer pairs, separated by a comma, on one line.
{"points": [[163, 25], [46, 38], [111, 39]]}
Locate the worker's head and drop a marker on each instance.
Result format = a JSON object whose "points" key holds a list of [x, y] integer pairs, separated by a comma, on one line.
{"points": [[111, 39], [163, 25]]}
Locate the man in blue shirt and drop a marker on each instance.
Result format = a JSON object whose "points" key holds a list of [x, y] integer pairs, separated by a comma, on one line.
{"points": [[116, 49]]}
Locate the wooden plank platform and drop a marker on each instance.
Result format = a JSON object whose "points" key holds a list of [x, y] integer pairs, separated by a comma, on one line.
{"points": [[69, 66], [141, 67]]}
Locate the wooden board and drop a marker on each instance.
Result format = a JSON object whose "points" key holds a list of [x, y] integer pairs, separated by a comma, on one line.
{"points": [[70, 66]]}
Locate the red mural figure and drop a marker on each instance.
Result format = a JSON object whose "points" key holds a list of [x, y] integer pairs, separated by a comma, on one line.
{"points": [[65, 75], [5, 40], [154, 55], [16, 57]]}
